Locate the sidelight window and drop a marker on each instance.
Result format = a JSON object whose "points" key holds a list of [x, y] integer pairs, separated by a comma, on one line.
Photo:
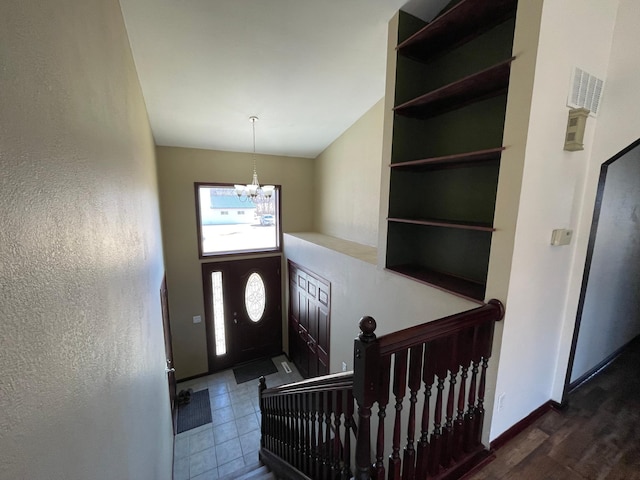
{"points": [[218, 313]]}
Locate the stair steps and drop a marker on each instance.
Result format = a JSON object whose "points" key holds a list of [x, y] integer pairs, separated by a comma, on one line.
{"points": [[257, 471]]}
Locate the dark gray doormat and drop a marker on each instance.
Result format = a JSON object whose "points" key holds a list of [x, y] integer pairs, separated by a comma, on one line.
{"points": [[254, 370], [195, 413]]}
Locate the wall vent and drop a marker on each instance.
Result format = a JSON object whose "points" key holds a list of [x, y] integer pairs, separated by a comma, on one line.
{"points": [[586, 91]]}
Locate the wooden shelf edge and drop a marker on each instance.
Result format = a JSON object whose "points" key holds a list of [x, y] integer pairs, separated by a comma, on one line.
{"points": [[446, 224], [460, 287], [466, 157], [493, 80], [468, 19]]}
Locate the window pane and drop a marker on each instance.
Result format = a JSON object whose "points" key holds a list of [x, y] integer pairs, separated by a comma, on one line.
{"points": [[232, 224], [255, 298], [218, 313]]}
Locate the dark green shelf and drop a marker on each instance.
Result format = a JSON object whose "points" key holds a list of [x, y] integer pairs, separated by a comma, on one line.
{"points": [[447, 161], [447, 144], [460, 24], [483, 227], [485, 84], [449, 283]]}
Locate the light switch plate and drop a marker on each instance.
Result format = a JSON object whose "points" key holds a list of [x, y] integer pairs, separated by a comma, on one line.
{"points": [[197, 319]]}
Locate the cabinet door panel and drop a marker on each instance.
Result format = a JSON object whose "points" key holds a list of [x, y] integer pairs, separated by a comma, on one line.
{"points": [[309, 321]]}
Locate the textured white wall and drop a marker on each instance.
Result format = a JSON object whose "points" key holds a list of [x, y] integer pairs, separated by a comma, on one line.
{"points": [[83, 393], [618, 125], [572, 33]]}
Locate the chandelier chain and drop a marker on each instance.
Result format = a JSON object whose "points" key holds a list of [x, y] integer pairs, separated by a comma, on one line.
{"points": [[260, 195]]}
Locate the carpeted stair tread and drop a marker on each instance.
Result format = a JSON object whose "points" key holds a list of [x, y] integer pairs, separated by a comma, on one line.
{"points": [[256, 471]]}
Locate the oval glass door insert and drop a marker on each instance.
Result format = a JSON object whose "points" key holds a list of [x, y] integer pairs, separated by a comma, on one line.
{"points": [[255, 297]]}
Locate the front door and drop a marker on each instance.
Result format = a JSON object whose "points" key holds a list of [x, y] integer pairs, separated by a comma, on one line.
{"points": [[243, 311], [171, 371]]}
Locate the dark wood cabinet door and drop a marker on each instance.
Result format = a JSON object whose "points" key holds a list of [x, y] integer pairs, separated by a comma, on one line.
{"points": [[309, 321]]}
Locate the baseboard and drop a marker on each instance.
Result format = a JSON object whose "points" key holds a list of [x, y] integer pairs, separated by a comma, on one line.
{"points": [[552, 405], [571, 387], [524, 423], [192, 377], [205, 374]]}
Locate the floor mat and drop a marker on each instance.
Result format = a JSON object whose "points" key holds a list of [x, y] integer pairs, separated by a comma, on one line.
{"points": [[254, 370], [195, 413]]}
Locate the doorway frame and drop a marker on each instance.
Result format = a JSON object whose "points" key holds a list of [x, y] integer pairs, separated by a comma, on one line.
{"points": [[568, 385], [168, 345], [208, 314]]}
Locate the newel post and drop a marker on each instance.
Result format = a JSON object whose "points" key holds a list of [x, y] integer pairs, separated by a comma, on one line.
{"points": [[366, 353]]}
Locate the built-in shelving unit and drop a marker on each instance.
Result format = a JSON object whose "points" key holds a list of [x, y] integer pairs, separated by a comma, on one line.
{"points": [[459, 159], [452, 80], [462, 23], [473, 88], [462, 286]]}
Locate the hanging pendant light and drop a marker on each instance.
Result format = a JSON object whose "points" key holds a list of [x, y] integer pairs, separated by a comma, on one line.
{"points": [[253, 190]]}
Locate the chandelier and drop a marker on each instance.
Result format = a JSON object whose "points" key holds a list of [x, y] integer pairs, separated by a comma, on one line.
{"points": [[253, 190]]}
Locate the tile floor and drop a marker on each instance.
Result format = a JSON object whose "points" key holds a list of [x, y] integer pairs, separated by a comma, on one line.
{"points": [[232, 440]]}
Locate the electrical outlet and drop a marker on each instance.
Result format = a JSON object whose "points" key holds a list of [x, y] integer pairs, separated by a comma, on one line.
{"points": [[344, 366], [501, 401], [197, 319]]}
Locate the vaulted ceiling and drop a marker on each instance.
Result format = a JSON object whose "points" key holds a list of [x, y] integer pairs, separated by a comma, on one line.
{"points": [[307, 68]]}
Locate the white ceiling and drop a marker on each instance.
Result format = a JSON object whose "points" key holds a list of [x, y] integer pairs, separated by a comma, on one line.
{"points": [[307, 68]]}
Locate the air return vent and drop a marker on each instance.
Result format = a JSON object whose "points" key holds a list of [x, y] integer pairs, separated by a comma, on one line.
{"points": [[586, 91]]}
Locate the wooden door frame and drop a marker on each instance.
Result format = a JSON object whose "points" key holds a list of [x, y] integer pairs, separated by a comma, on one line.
{"points": [[568, 385], [171, 375], [209, 326]]}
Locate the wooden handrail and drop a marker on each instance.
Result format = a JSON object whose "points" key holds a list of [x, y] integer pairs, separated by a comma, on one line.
{"points": [[310, 426], [444, 327], [424, 358], [336, 381]]}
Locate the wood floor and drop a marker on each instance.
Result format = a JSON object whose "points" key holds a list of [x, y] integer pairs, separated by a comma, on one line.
{"points": [[596, 437]]}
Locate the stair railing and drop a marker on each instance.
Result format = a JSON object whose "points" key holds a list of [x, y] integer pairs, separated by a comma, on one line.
{"points": [[449, 438], [308, 427]]}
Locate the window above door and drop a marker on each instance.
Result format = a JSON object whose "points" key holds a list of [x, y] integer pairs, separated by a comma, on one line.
{"points": [[228, 224]]}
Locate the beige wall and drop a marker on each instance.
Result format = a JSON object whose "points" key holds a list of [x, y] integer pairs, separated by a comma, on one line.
{"points": [[178, 169], [347, 180], [83, 393]]}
